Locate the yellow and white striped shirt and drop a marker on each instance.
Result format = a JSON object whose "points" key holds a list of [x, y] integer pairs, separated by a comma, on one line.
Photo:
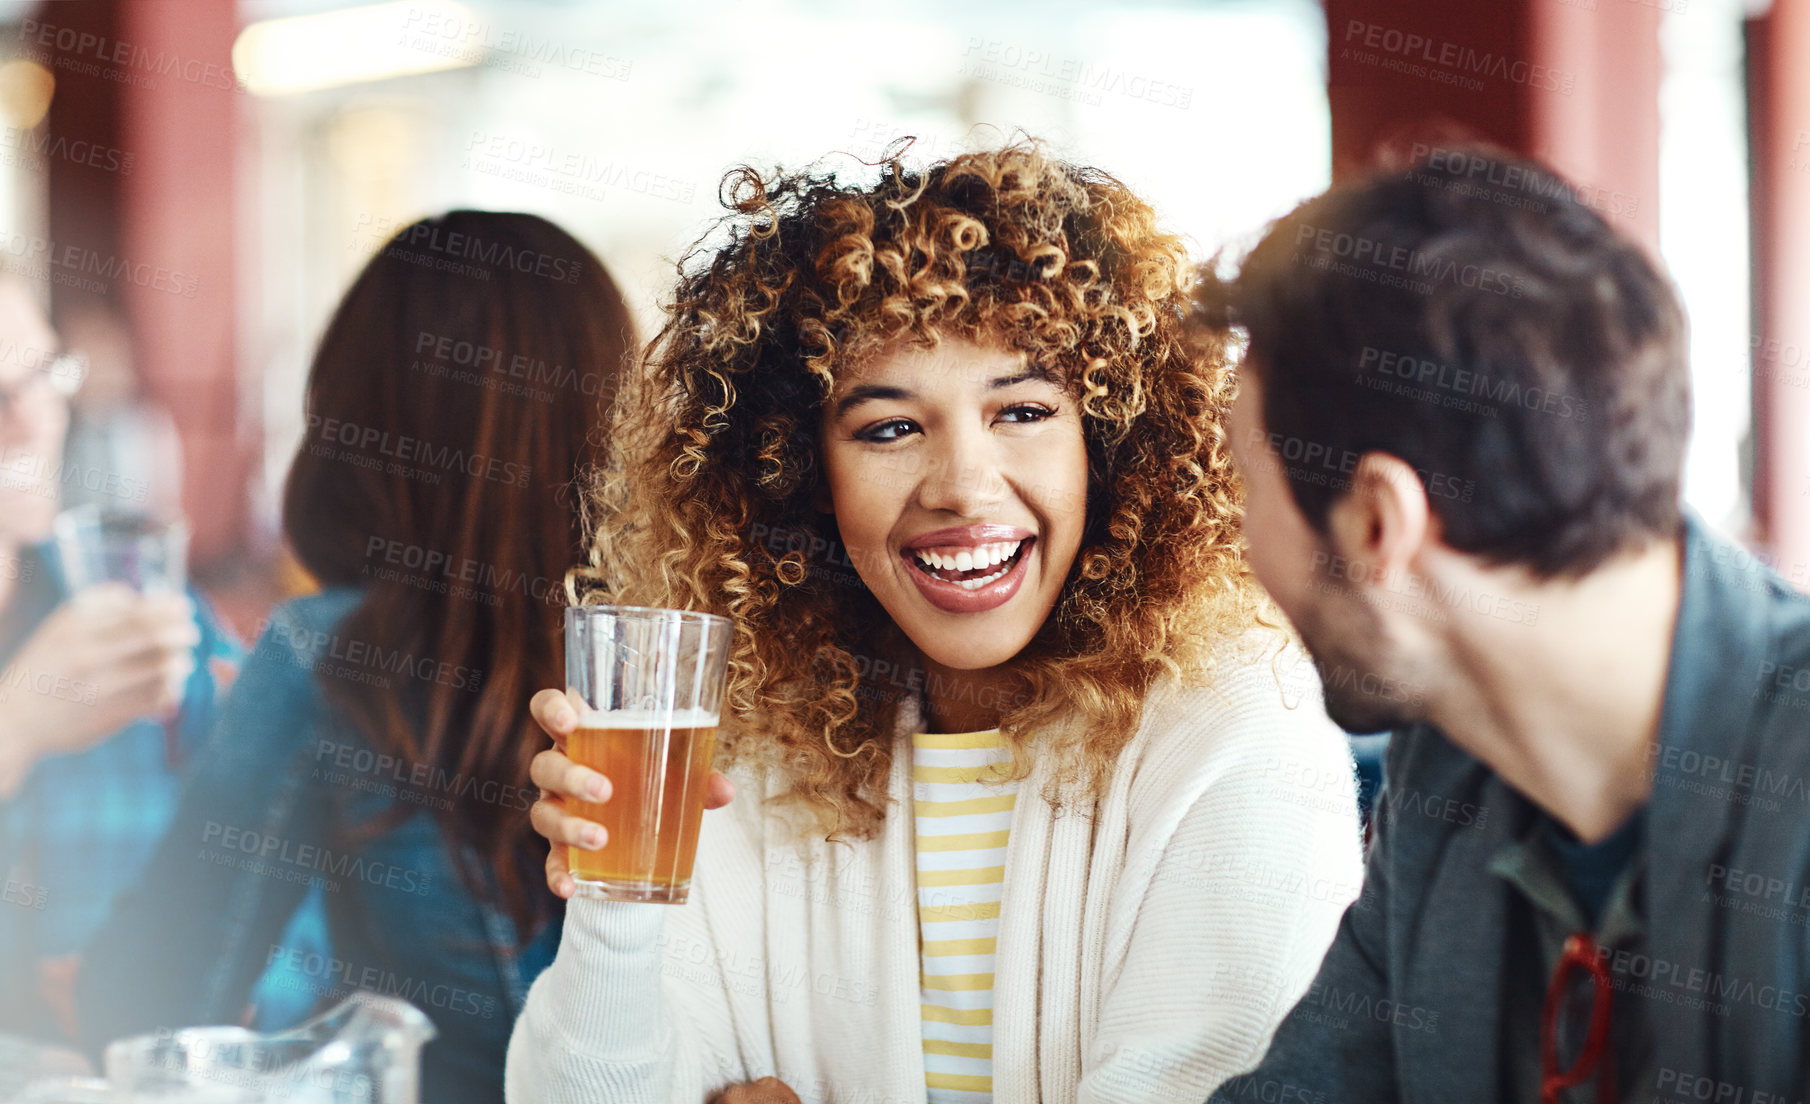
{"points": [[964, 815]]}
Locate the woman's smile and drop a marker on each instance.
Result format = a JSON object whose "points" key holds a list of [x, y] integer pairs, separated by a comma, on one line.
{"points": [[970, 569]]}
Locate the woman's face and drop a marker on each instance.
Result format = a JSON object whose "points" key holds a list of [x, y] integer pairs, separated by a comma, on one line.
{"points": [[958, 477]]}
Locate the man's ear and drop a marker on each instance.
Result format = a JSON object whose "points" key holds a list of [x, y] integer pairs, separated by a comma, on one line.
{"points": [[1383, 519]]}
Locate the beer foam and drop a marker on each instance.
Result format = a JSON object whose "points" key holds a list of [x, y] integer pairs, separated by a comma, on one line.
{"points": [[647, 718]]}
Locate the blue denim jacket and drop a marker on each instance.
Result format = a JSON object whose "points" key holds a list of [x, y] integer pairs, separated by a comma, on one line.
{"points": [[267, 821]]}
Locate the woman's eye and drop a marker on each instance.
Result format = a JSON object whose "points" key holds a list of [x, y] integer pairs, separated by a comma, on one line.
{"points": [[890, 430], [1026, 412]]}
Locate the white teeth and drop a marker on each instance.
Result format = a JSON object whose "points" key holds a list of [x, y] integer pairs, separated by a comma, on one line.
{"points": [[976, 584], [971, 559]]}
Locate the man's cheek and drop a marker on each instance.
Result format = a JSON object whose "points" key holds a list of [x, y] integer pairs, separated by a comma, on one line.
{"points": [[1258, 549], [1259, 522]]}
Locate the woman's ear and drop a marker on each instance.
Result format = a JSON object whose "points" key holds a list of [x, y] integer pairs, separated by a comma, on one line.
{"points": [[820, 498]]}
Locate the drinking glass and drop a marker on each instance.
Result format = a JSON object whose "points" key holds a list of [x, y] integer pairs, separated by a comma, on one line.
{"points": [[648, 688], [147, 553]]}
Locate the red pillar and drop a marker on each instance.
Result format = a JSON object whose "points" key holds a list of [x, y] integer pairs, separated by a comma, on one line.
{"points": [[1779, 84], [85, 192], [1604, 133], [180, 211], [1575, 84], [1385, 93], [154, 80]]}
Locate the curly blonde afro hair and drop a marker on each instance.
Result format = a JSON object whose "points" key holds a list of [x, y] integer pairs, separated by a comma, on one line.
{"points": [[711, 502]]}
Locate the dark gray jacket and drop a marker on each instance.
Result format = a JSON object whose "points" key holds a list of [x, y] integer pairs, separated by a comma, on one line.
{"points": [[1408, 1003]]}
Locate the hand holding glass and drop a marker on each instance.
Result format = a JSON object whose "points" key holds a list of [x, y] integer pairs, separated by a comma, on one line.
{"points": [[147, 553], [647, 687]]}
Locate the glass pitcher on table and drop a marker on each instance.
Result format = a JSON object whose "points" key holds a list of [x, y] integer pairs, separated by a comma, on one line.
{"points": [[365, 1050]]}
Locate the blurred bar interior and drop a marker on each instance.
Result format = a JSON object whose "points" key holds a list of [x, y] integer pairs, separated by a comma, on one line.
{"points": [[192, 183]]}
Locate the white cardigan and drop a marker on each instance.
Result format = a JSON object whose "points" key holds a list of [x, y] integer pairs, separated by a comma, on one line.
{"points": [[1149, 943]]}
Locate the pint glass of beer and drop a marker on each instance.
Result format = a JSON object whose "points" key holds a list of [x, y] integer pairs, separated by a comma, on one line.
{"points": [[648, 688]]}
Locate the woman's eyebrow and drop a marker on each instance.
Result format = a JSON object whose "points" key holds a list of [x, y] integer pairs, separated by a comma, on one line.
{"points": [[869, 392], [1041, 375]]}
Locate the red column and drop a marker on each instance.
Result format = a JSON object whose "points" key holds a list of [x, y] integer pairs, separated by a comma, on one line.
{"points": [[150, 232], [1779, 84], [1576, 84], [180, 211], [84, 196], [1398, 73], [1603, 133]]}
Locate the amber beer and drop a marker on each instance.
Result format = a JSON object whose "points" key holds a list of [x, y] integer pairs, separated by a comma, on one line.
{"points": [[647, 685], [657, 765]]}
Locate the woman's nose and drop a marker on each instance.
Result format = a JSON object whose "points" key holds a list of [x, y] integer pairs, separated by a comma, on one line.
{"points": [[962, 476]]}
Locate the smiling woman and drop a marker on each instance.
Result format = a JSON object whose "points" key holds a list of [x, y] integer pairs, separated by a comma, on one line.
{"points": [[915, 440], [1016, 820], [829, 304]]}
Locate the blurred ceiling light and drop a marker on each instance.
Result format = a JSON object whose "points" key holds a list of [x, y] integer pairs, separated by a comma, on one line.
{"points": [[279, 57], [25, 91]]}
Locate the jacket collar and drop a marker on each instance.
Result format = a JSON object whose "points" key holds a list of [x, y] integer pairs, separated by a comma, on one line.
{"points": [[1708, 758]]}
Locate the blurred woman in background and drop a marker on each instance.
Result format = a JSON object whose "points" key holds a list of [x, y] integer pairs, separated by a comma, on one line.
{"points": [[375, 750]]}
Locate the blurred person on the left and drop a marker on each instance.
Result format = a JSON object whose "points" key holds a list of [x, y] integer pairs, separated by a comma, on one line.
{"points": [[102, 694]]}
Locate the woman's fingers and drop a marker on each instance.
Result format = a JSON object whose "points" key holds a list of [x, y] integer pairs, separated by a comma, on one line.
{"points": [[556, 774], [558, 777], [559, 873], [718, 792], [555, 715], [550, 819]]}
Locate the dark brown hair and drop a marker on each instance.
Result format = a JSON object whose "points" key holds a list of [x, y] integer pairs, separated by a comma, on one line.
{"points": [[1472, 316], [712, 504], [457, 393]]}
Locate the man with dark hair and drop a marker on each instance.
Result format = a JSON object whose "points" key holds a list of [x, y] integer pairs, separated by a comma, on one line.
{"points": [[1461, 423]]}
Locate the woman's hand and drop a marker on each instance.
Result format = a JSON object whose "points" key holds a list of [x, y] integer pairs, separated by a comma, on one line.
{"points": [[559, 778], [768, 1090]]}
